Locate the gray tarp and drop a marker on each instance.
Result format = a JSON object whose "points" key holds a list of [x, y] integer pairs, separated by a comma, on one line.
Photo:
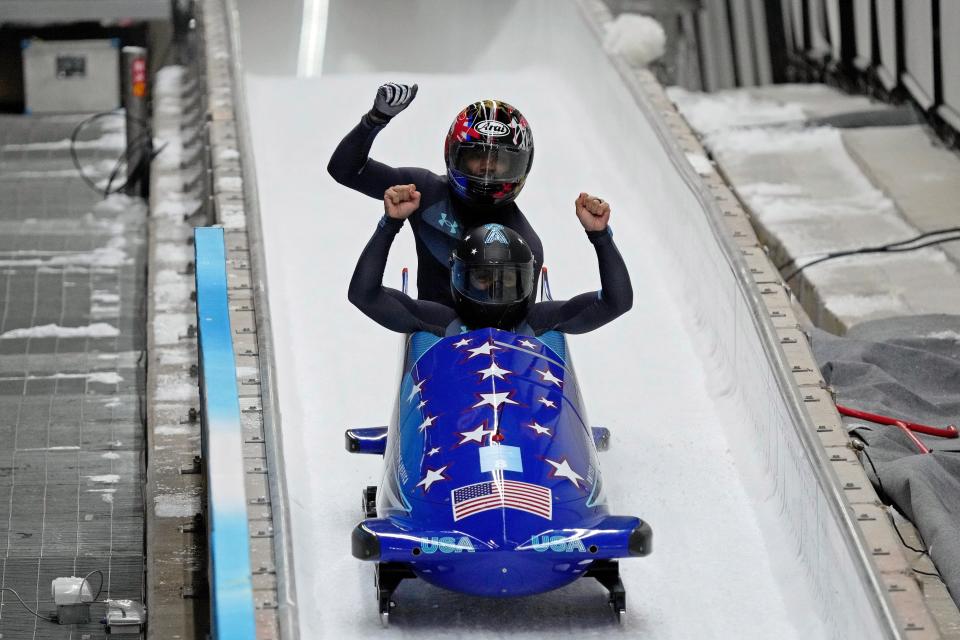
{"points": [[907, 368]]}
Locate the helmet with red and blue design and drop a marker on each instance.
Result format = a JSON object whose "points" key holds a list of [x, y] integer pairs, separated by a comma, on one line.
{"points": [[489, 152]]}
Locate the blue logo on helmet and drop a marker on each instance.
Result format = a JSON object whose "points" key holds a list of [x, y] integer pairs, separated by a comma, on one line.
{"points": [[495, 234]]}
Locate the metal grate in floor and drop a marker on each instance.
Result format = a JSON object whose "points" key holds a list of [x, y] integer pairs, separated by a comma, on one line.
{"points": [[72, 340]]}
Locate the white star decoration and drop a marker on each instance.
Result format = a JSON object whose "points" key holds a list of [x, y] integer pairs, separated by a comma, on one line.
{"points": [[462, 342], [428, 422], [473, 252], [528, 344], [416, 389], [547, 376], [433, 451], [562, 469], [494, 399], [477, 435], [548, 403], [483, 349], [422, 404], [493, 370], [539, 429], [431, 477]]}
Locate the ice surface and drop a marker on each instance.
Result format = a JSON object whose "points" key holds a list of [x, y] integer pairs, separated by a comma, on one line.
{"points": [[674, 460], [670, 462]]}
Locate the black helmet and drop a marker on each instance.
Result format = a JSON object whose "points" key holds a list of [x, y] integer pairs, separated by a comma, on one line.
{"points": [[492, 276], [489, 152]]}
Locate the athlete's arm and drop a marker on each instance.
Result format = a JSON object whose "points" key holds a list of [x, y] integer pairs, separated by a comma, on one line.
{"points": [[351, 165], [390, 308], [588, 311]]}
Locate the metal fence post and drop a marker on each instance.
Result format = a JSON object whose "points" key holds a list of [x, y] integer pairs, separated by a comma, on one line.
{"points": [[138, 131]]}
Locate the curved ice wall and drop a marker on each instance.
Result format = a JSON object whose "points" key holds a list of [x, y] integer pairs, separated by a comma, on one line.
{"points": [[782, 464]]}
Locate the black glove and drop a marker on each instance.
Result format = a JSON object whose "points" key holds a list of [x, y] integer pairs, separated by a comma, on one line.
{"points": [[392, 98]]}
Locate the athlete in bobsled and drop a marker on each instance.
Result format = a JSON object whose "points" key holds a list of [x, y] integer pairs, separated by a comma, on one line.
{"points": [[488, 153], [491, 485], [492, 279]]}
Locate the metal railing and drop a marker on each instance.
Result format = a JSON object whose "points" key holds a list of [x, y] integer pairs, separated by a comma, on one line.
{"points": [[895, 50]]}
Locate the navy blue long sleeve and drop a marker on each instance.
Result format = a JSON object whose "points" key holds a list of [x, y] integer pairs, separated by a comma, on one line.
{"points": [[390, 308], [399, 312], [439, 223], [588, 311]]}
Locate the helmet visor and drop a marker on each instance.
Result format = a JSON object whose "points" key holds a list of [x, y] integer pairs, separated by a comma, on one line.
{"points": [[494, 284], [490, 163]]}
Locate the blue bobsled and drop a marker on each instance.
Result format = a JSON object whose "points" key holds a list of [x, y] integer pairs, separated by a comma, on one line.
{"points": [[492, 485]]}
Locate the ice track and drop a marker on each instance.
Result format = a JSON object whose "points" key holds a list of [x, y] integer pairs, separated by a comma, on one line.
{"points": [[712, 573]]}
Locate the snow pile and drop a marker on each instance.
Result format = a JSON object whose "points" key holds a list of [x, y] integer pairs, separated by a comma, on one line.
{"points": [[729, 109], [105, 494], [106, 142], [170, 289], [96, 330], [108, 377], [176, 505], [110, 478], [105, 377], [168, 80], [867, 305], [105, 297], [119, 203], [229, 183], [172, 388], [639, 39], [175, 206], [171, 430], [110, 256], [789, 175], [179, 254]]}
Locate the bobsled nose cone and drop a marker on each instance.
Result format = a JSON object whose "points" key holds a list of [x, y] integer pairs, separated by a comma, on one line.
{"points": [[641, 540]]}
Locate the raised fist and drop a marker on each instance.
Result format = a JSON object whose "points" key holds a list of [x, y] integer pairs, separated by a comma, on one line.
{"points": [[399, 201], [392, 98], [594, 213]]}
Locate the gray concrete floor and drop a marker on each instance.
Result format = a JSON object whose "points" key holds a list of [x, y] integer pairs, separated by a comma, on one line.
{"points": [[71, 424]]}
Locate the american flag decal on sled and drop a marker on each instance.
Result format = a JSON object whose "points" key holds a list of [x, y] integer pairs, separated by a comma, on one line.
{"points": [[496, 494]]}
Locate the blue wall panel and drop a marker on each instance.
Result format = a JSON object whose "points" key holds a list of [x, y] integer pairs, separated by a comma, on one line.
{"points": [[231, 590]]}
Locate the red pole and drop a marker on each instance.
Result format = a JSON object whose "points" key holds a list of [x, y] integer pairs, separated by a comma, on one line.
{"points": [[949, 431]]}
